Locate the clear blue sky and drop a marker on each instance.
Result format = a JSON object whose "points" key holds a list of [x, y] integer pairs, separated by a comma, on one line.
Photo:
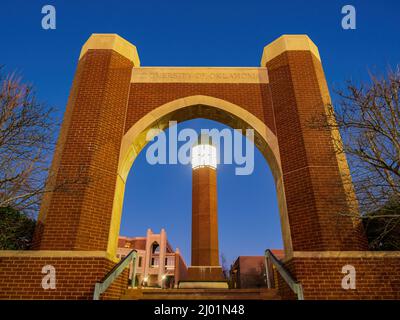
{"points": [[197, 33]]}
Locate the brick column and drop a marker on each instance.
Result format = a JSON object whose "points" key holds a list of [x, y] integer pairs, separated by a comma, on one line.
{"points": [[205, 270], [313, 174], [162, 255], [204, 218], [84, 170]]}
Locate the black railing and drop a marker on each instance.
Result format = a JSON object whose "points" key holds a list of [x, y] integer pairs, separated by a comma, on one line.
{"points": [[270, 262], [101, 287]]}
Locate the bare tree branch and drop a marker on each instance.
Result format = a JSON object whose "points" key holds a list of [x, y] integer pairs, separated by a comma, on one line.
{"points": [[27, 130], [368, 118]]}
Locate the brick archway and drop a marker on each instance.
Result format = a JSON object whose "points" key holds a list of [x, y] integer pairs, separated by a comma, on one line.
{"points": [[188, 108], [113, 101]]}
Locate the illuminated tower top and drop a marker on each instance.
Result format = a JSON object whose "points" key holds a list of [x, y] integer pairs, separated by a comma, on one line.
{"points": [[204, 153]]}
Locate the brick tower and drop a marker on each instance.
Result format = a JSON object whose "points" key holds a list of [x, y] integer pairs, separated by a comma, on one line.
{"points": [[205, 270]]}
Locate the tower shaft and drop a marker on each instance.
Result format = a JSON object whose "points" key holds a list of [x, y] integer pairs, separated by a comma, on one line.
{"points": [[204, 218]]}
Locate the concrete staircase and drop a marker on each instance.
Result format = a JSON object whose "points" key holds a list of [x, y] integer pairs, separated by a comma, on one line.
{"points": [[200, 294]]}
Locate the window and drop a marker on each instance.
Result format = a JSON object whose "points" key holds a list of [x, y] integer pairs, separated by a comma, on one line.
{"points": [[155, 248], [140, 262], [154, 262], [170, 262]]}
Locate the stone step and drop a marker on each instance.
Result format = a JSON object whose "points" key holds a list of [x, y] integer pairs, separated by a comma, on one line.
{"points": [[201, 294]]}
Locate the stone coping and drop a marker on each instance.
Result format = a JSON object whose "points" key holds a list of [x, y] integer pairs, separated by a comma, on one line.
{"points": [[104, 254], [255, 75], [286, 42], [111, 41], [289, 42], [344, 254]]}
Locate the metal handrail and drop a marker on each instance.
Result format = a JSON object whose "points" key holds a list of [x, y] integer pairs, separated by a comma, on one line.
{"points": [[102, 286], [296, 287]]}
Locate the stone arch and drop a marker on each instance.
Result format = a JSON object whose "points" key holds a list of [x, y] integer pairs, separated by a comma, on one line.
{"points": [[197, 106], [111, 94]]}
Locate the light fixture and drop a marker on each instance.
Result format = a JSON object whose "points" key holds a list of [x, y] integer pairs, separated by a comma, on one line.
{"points": [[204, 154]]}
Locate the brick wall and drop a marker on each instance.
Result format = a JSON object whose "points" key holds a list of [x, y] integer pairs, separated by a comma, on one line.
{"points": [[21, 278], [314, 190], [145, 97], [180, 268], [251, 272], [321, 278], [77, 215]]}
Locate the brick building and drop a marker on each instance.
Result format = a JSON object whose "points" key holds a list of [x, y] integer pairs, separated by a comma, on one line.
{"points": [[157, 264], [249, 271]]}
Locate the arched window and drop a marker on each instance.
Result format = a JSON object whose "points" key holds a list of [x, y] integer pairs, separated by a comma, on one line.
{"points": [[155, 248]]}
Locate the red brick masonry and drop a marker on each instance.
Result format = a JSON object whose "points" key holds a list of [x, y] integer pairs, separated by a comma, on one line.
{"points": [[104, 104], [21, 277], [321, 277]]}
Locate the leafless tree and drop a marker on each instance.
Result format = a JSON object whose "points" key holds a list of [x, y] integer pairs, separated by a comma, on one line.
{"points": [[368, 117], [26, 143], [224, 265]]}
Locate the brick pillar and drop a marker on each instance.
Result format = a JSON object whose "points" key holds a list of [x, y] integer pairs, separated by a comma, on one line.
{"points": [[205, 265], [313, 174], [162, 255], [77, 215], [204, 218]]}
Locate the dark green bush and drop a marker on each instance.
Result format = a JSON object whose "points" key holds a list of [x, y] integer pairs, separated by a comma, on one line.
{"points": [[16, 229]]}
